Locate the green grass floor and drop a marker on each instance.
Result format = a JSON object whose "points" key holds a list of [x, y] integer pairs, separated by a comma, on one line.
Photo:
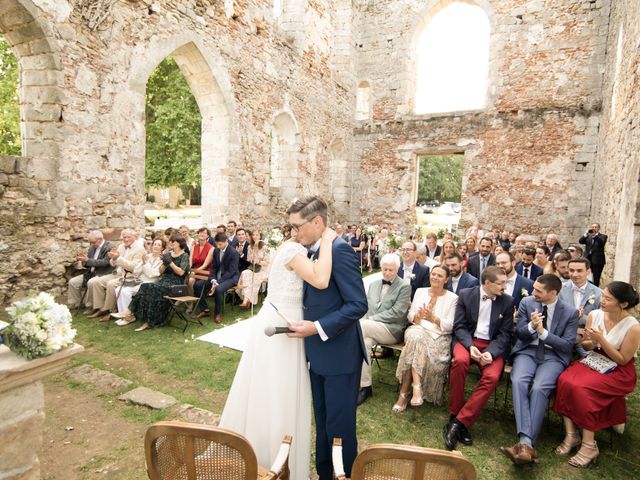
{"points": [[201, 374]]}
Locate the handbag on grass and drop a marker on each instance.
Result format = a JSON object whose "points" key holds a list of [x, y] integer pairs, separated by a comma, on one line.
{"points": [[598, 362]]}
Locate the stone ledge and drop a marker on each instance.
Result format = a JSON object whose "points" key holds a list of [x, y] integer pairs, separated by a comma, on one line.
{"points": [[16, 371]]}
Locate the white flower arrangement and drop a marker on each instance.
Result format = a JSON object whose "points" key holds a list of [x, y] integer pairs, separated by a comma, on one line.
{"points": [[524, 292], [370, 231], [39, 326], [274, 238], [592, 299]]}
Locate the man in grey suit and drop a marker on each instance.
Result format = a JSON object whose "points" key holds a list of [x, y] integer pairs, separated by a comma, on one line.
{"points": [[389, 300], [96, 263], [546, 333], [582, 294]]}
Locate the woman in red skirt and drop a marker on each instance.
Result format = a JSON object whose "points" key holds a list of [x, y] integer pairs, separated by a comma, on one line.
{"points": [[592, 400]]}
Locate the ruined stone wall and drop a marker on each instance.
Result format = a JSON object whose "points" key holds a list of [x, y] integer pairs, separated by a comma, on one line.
{"points": [[615, 191], [530, 153], [82, 102]]}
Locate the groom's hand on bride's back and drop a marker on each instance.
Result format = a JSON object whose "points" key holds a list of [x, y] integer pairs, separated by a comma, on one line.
{"points": [[302, 328]]}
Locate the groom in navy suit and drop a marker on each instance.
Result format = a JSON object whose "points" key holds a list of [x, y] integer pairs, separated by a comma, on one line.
{"points": [[332, 336]]}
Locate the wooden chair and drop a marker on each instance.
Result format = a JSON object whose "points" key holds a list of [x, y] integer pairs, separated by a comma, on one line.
{"points": [[386, 461], [188, 451]]}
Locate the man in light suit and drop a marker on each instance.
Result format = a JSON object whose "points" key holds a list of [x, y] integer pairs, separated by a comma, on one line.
{"points": [[546, 333], [477, 263], [581, 294], [526, 267], [411, 271], [594, 241], [332, 338], [389, 299], [458, 280], [517, 286], [482, 334]]}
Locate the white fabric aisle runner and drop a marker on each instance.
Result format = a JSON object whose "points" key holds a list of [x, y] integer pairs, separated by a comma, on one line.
{"points": [[235, 336]]}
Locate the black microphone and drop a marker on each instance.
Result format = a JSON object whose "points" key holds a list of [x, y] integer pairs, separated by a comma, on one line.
{"points": [[270, 330]]}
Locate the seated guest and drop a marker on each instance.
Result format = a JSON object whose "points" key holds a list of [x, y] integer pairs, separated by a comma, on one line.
{"points": [[582, 294], [96, 264], [575, 251], [388, 299], [231, 233], [553, 244], [224, 275], [462, 250], [516, 251], [411, 271], [358, 243], [458, 279], [242, 248], [477, 263], [422, 258], [546, 333], [148, 271], [517, 286], [425, 359], [258, 271], [504, 241], [200, 257], [542, 256], [447, 247], [560, 265], [588, 399], [149, 304], [526, 267], [125, 259], [470, 242], [433, 249], [186, 234], [482, 334]]}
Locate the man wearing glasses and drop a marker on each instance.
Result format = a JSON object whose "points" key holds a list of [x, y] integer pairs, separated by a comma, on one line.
{"points": [[413, 272], [481, 334]]}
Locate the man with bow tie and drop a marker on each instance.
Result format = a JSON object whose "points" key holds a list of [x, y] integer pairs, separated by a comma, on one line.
{"points": [[581, 294], [481, 334], [389, 300], [546, 333]]}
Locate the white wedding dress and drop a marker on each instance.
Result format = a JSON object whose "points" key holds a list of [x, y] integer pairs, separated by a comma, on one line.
{"points": [[271, 394]]}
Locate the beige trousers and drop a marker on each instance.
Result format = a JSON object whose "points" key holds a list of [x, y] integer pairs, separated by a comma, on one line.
{"points": [[74, 292], [373, 333], [99, 287]]}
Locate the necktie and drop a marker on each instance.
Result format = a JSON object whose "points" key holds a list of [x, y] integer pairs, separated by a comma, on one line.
{"points": [[220, 267], [386, 282], [526, 272], [540, 350], [483, 263], [488, 297], [578, 290]]}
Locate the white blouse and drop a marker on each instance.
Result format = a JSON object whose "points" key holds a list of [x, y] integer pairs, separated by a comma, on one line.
{"points": [[444, 309], [616, 335]]}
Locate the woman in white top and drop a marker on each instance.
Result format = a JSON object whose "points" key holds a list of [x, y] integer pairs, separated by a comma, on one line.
{"points": [[425, 358], [592, 400]]}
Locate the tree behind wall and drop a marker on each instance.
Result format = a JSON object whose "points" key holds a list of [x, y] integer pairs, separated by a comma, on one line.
{"points": [[440, 178], [10, 143], [173, 128]]}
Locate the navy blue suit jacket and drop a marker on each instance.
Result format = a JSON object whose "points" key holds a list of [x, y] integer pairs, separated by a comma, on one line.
{"points": [[466, 281], [473, 264], [338, 308], [535, 271], [500, 323], [521, 283], [562, 333], [421, 279], [228, 268]]}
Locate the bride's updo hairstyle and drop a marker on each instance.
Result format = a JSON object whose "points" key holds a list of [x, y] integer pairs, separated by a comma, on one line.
{"points": [[624, 292]]}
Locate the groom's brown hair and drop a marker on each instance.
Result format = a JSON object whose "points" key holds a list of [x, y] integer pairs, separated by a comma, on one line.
{"points": [[309, 207]]}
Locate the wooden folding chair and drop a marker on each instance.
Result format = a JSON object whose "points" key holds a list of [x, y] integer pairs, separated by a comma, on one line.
{"points": [[178, 307], [189, 451], [403, 462]]}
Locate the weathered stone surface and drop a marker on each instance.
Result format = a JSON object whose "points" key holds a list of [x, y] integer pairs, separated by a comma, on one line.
{"points": [[14, 436], [189, 413], [149, 398], [101, 379], [27, 399]]}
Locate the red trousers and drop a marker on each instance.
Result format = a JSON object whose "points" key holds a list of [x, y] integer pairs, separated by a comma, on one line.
{"points": [[469, 411]]}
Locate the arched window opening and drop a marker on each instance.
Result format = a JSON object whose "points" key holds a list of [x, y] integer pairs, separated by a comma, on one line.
{"points": [[173, 140], [452, 59], [10, 141], [363, 101]]}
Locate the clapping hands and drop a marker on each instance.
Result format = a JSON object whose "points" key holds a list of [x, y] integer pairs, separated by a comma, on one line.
{"points": [[536, 322]]}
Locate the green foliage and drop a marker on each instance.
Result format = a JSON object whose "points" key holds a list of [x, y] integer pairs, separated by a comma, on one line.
{"points": [[10, 143], [440, 178], [173, 124]]}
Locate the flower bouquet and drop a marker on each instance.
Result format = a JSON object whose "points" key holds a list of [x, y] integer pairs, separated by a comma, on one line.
{"points": [[393, 242], [38, 326], [370, 231], [274, 238]]}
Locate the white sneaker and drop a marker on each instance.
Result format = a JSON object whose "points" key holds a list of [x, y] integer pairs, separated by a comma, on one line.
{"points": [[123, 321]]}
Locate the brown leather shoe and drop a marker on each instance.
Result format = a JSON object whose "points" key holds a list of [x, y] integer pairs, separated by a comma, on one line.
{"points": [[203, 314], [98, 313], [217, 318], [520, 454], [106, 318]]}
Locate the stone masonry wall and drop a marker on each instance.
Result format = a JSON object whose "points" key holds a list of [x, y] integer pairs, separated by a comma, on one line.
{"points": [[543, 108], [616, 202], [82, 102]]}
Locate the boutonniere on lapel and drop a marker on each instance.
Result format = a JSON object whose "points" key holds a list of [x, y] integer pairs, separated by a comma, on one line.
{"points": [[412, 276], [592, 299], [524, 292]]}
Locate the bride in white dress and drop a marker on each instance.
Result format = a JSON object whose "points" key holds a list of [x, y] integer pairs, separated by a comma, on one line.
{"points": [[271, 394]]}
